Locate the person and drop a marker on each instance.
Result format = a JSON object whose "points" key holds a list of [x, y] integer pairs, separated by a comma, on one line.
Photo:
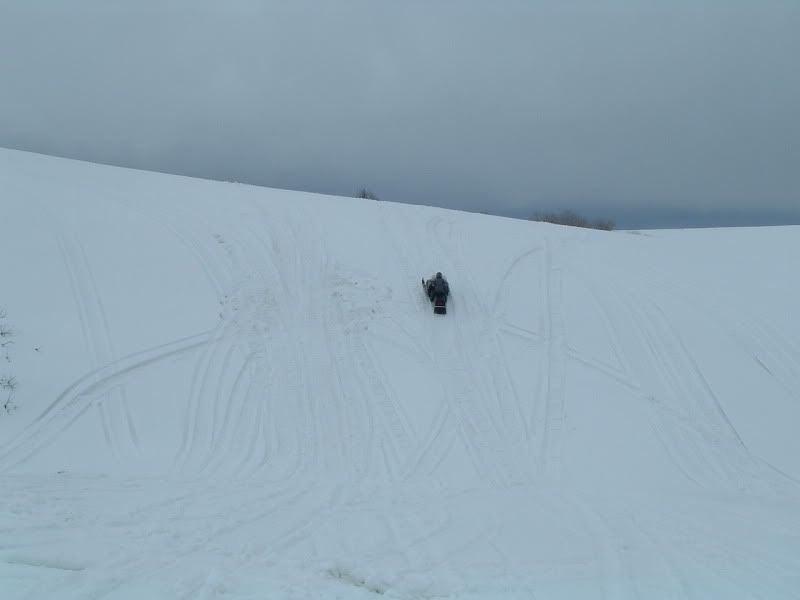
{"points": [[437, 287]]}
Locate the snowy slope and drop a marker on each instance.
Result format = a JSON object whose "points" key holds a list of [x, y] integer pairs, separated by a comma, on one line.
{"points": [[234, 392]]}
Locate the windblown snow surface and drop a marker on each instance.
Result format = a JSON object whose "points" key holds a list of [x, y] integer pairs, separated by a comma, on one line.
{"points": [[234, 392]]}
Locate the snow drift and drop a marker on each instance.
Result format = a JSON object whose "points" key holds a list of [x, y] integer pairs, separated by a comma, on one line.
{"points": [[230, 391]]}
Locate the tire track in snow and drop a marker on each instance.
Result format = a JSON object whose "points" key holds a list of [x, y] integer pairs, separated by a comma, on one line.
{"points": [[689, 423], [460, 383], [126, 417], [535, 410], [304, 351], [173, 548], [698, 433], [747, 471], [380, 402], [434, 446], [636, 566], [430, 445], [257, 317], [603, 369], [303, 345], [241, 274], [678, 430], [785, 362], [361, 422], [505, 394], [514, 414], [283, 356], [521, 332], [167, 221], [431, 449], [448, 357], [626, 375], [220, 442], [399, 253], [257, 437], [187, 229], [552, 422], [358, 410], [681, 587], [378, 396], [239, 355], [485, 443], [401, 439], [228, 391], [308, 434], [474, 307], [187, 233], [118, 427], [615, 569], [288, 357], [532, 413], [672, 429], [748, 332], [217, 381], [270, 345], [260, 322], [192, 422], [743, 563], [75, 400], [309, 268], [337, 417], [668, 425], [506, 278]]}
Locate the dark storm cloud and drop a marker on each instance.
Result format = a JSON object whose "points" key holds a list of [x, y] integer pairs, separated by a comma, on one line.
{"points": [[505, 107]]}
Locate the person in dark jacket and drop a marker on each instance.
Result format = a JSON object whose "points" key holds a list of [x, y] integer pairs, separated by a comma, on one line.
{"points": [[437, 287]]}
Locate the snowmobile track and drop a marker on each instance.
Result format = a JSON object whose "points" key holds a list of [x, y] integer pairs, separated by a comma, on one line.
{"points": [[76, 399], [113, 407]]}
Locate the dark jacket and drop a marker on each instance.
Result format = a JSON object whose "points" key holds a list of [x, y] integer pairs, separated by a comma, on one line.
{"points": [[437, 288]]}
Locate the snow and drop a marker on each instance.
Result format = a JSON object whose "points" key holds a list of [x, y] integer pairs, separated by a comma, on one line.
{"points": [[234, 392]]}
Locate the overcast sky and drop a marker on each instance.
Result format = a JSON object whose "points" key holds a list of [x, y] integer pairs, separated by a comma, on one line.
{"points": [[649, 112]]}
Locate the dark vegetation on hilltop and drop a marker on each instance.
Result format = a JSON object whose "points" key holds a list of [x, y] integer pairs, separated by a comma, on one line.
{"points": [[368, 195], [565, 217], [573, 219]]}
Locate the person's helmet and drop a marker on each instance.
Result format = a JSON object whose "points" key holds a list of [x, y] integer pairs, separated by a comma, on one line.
{"points": [[438, 275]]}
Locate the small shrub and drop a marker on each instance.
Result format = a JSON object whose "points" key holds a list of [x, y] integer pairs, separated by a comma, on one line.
{"points": [[6, 336], [8, 384], [365, 193]]}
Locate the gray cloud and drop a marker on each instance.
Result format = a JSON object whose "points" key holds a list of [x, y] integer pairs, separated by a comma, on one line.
{"points": [[532, 105]]}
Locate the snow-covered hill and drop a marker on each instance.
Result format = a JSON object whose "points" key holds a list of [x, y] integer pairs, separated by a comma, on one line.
{"points": [[234, 392]]}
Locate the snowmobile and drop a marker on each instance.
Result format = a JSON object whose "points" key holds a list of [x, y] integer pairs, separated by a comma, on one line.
{"points": [[437, 290]]}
